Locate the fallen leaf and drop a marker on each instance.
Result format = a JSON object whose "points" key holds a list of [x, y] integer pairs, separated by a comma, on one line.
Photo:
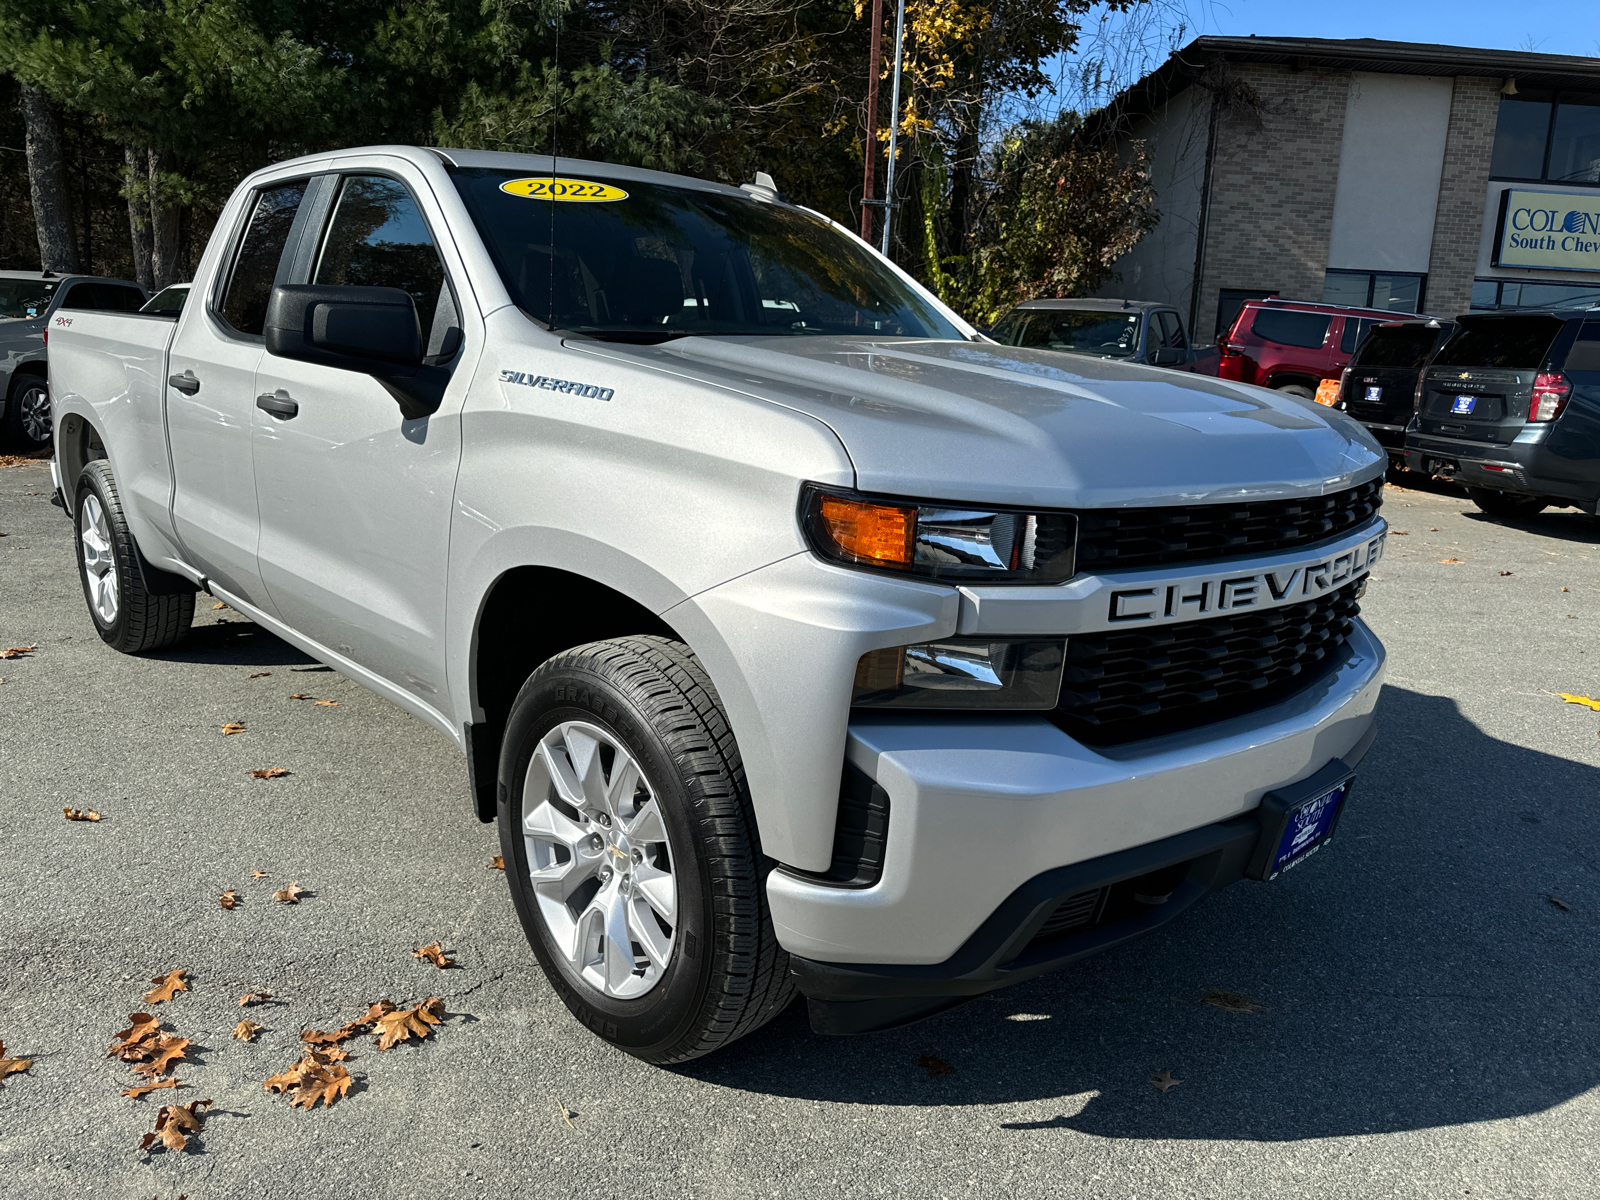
{"points": [[144, 1044], [141, 1031], [566, 1115], [233, 727], [1503, 574], [12, 1066], [249, 998], [933, 1064], [245, 1031], [315, 1077], [1230, 1001], [258, 874], [144, 1089], [376, 1010], [334, 1053], [1563, 589], [1399, 533], [434, 953], [1451, 561], [326, 703], [80, 814], [261, 674], [217, 605], [1163, 1080], [1558, 902], [17, 651], [1586, 701], [402, 1025], [173, 1123], [299, 696], [228, 899], [497, 862], [1433, 529], [290, 894], [269, 772], [167, 986]]}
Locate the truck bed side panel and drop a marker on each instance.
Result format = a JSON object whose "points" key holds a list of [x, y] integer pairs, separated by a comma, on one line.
{"points": [[109, 369]]}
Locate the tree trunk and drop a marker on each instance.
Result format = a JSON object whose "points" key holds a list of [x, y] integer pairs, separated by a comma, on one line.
{"points": [[48, 182], [138, 214], [164, 265]]}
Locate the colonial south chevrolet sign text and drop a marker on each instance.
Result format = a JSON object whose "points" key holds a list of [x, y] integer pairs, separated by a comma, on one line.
{"points": [[1553, 230]]}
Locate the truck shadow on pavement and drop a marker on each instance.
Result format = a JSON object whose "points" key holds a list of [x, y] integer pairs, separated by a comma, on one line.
{"points": [[1421, 972], [235, 643]]}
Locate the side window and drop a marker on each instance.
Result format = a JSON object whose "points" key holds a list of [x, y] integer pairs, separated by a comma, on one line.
{"points": [[1289, 327], [79, 295], [377, 238], [244, 305], [1172, 332]]}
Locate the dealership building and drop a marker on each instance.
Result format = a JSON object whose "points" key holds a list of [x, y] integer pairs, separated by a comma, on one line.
{"points": [[1400, 176]]}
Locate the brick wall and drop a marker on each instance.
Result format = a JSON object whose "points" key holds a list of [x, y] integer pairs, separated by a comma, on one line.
{"points": [[1272, 187], [1458, 225]]}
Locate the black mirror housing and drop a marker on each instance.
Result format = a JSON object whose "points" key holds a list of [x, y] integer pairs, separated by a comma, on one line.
{"points": [[371, 330]]}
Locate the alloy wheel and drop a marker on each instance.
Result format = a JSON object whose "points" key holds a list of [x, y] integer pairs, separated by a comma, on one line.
{"points": [[99, 562], [33, 412]]}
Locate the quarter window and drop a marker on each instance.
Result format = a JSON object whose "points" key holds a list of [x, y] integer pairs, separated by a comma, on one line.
{"points": [[244, 305]]}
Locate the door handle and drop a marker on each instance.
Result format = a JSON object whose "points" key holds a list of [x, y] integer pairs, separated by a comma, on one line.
{"points": [[278, 403], [185, 383]]}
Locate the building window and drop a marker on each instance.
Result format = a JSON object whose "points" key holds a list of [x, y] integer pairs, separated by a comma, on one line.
{"points": [[1547, 135], [1530, 293], [1395, 291], [1231, 300]]}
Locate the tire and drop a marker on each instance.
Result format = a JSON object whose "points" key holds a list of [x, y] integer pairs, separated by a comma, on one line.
{"points": [[714, 971], [1297, 389], [1507, 504], [135, 607], [27, 425]]}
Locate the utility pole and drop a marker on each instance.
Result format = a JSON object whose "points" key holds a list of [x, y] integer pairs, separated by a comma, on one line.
{"points": [[876, 61], [894, 125]]}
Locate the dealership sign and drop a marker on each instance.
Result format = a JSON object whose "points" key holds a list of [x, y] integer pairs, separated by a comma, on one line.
{"points": [[1553, 230]]}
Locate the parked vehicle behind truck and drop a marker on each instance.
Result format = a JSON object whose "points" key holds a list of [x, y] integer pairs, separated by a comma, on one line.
{"points": [[1293, 345], [28, 299], [1379, 386], [1136, 331], [796, 636]]}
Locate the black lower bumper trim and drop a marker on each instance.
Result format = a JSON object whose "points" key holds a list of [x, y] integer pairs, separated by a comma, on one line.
{"points": [[1141, 889]]}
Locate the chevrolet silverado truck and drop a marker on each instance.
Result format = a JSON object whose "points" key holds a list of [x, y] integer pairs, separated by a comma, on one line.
{"points": [[798, 637]]}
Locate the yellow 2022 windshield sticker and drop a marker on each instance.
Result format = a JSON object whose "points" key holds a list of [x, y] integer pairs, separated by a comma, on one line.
{"points": [[545, 187]]}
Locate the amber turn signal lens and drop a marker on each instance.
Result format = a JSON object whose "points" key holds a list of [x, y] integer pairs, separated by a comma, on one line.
{"points": [[868, 532]]}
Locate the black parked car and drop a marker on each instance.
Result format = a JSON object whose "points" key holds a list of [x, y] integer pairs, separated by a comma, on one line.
{"points": [[1379, 386], [1510, 407]]}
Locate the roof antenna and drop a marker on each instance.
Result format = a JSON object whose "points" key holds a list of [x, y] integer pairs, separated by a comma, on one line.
{"points": [[555, 125]]}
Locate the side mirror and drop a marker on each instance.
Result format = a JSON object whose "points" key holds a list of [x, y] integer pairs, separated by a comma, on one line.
{"points": [[371, 330]]}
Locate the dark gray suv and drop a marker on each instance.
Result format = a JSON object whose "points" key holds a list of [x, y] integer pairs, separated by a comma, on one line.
{"points": [[1509, 406]]}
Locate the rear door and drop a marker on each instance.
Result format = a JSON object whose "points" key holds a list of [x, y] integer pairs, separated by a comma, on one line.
{"points": [[1479, 384], [355, 500], [1381, 386], [210, 406]]}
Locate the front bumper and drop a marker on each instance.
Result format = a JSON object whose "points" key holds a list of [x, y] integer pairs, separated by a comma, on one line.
{"points": [[986, 814], [1526, 466]]}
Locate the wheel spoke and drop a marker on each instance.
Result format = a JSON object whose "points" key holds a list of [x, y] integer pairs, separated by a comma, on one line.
{"points": [[559, 770], [618, 945], [645, 931], [659, 890], [647, 825]]}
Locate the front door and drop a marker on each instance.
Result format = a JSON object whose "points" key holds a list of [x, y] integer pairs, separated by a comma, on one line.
{"points": [[355, 500], [210, 393]]}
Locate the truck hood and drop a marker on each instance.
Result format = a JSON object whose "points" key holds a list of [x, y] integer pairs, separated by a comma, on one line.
{"points": [[979, 422]]}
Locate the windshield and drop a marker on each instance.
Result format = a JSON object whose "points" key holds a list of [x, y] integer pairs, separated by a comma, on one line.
{"points": [[1510, 342], [1079, 331], [645, 262], [1404, 346], [25, 297]]}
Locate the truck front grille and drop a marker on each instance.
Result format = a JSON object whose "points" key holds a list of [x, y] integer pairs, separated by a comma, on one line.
{"points": [[1147, 537], [1131, 684]]}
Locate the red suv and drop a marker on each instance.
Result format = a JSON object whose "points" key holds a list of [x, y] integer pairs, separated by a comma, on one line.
{"points": [[1292, 345]]}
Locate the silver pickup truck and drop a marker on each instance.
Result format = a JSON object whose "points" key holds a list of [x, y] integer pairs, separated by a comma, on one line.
{"points": [[797, 636]]}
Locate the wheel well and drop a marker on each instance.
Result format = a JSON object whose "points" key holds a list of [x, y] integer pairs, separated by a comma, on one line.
{"points": [[530, 615], [35, 369], [77, 445], [1278, 381]]}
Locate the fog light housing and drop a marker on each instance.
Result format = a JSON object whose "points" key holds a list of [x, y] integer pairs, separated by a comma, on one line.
{"points": [[963, 673]]}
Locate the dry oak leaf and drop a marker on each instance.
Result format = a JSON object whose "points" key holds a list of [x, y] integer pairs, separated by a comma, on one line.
{"points": [[258, 874], [132, 1043], [245, 1031], [497, 862], [299, 696], [402, 1025], [168, 1053], [233, 727], [315, 1077], [261, 674], [173, 1123], [269, 772], [1586, 701], [290, 894], [249, 998], [1230, 1001], [933, 1064], [17, 651], [1503, 574], [326, 703], [80, 814], [1456, 562], [1563, 589], [144, 1089], [228, 899], [167, 986], [1399, 533], [1163, 1080], [316, 1037], [434, 953], [12, 1066], [217, 605]]}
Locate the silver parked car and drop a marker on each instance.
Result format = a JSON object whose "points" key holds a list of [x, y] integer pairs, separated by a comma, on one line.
{"points": [[798, 637], [28, 299]]}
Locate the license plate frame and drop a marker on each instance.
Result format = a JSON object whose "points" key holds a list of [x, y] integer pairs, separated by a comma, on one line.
{"points": [[1298, 821]]}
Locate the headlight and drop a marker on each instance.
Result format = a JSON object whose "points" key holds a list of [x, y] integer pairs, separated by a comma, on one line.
{"points": [[962, 673], [940, 541]]}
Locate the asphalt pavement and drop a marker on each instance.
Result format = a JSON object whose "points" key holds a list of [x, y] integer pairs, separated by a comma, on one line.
{"points": [[1427, 986]]}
